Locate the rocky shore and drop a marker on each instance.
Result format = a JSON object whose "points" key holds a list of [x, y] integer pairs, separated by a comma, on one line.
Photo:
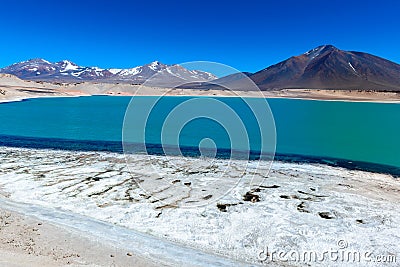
{"points": [[296, 207]]}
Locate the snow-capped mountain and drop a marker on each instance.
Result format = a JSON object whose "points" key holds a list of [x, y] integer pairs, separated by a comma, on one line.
{"points": [[40, 69], [67, 71], [32, 67], [142, 73]]}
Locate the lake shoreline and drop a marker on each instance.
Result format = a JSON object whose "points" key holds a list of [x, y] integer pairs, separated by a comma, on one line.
{"points": [[333, 202], [58, 144], [18, 93], [290, 117]]}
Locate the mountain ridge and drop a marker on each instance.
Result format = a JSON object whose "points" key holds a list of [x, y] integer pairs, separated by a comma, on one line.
{"points": [[323, 67], [327, 67], [67, 71]]}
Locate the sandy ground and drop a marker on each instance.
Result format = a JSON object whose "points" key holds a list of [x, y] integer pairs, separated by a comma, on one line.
{"points": [[26, 241], [343, 95], [13, 89]]}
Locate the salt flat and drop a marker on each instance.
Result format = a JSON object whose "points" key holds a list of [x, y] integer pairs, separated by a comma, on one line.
{"points": [[296, 207]]}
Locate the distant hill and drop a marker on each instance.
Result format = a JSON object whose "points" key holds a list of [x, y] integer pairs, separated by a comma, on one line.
{"points": [[9, 80], [236, 81]]}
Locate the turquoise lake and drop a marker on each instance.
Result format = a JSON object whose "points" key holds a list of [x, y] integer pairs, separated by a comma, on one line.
{"points": [[353, 131]]}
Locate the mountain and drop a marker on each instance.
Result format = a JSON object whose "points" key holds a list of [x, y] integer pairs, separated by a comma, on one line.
{"points": [[43, 70], [236, 81], [67, 71], [166, 74], [324, 67], [327, 67]]}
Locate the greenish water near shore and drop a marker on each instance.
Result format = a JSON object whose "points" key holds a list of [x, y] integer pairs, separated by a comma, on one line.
{"points": [[346, 130]]}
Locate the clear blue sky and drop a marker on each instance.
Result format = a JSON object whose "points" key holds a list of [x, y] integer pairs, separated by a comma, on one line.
{"points": [[248, 35]]}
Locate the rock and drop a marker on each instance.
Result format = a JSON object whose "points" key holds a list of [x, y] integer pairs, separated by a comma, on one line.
{"points": [[301, 207], [270, 186], [326, 215], [221, 207], [249, 196]]}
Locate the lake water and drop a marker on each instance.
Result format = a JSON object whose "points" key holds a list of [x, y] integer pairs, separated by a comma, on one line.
{"points": [[320, 130]]}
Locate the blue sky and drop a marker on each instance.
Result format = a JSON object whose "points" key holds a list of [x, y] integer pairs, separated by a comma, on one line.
{"points": [[247, 35]]}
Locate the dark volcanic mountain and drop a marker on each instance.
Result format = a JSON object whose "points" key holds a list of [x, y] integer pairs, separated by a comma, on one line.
{"points": [[324, 67], [327, 67], [67, 71]]}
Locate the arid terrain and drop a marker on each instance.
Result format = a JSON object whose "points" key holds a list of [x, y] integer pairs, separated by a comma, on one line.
{"points": [[27, 241], [13, 89]]}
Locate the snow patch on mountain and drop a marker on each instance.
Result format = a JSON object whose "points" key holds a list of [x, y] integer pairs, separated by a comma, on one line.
{"points": [[114, 71], [128, 72], [68, 65], [351, 66]]}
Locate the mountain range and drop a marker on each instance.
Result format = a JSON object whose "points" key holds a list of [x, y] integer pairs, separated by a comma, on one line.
{"points": [[324, 67], [67, 71]]}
